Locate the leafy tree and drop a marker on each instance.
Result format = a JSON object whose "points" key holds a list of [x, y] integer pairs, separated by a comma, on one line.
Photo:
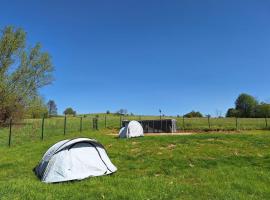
{"points": [[52, 108], [69, 111], [193, 114], [262, 110], [36, 109], [232, 112], [245, 104], [22, 72]]}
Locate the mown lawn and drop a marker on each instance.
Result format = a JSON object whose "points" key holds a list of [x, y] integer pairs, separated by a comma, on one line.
{"points": [[201, 166]]}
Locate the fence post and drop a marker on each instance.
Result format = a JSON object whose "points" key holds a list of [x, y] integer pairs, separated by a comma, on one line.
{"points": [[42, 127], [183, 123], [105, 121], [208, 121], [65, 123], [120, 121], [95, 123], [266, 123], [236, 123], [81, 124], [9, 138], [161, 126]]}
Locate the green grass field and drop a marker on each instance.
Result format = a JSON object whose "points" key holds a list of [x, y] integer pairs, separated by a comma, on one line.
{"points": [[199, 166]]}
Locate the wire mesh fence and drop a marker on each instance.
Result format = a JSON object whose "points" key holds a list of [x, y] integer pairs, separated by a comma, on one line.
{"points": [[34, 129]]}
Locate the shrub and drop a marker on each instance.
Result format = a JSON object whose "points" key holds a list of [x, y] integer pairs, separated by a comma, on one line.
{"points": [[193, 114]]}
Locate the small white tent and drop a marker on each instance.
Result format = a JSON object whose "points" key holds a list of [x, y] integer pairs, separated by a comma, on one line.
{"points": [[132, 129], [74, 159]]}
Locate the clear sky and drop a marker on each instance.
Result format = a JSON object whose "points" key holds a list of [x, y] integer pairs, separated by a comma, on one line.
{"points": [[176, 56]]}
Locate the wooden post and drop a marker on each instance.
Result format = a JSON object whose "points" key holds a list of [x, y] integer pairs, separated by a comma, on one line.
{"points": [[208, 121], [81, 124], [183, 123], [266, 123], [10, 126], [42, 127], [65, 124], [96, 123], [105, 121], [236, 123], [120, 121]]}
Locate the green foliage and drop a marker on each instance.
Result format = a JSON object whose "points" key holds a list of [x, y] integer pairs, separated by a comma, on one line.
{"points": [[22, 72], [232, 112], [193, 114], [52, 108], [245, 104], [262, 110], [36, 108], [69, 111]]}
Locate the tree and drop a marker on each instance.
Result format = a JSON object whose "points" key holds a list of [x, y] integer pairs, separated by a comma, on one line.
{"points": [[193, 114], [108, 112], [262, 110], [52, 108], [232, 112], [69, 111], [246, 104], [22, 72], [122, 111], [36, 109]]}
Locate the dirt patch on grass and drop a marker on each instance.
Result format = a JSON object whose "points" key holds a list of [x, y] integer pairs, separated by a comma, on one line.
{"points": [[171, 146], [190, 132], [156, 134]]}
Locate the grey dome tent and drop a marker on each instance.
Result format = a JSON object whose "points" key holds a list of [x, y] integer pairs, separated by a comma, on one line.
{"points": [[74, 159], [132, 129]]}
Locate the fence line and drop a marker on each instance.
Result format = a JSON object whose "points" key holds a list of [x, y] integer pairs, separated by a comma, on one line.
{"points": [[52, 126]]}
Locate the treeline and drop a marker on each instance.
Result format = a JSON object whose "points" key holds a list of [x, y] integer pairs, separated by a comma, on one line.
{"points": [[247, 106]]}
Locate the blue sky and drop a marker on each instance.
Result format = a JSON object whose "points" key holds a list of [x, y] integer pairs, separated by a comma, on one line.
{"points": [[176, 56]]}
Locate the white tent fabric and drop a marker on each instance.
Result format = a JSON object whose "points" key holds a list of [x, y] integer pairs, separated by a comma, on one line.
{"points": [[132, 129], [74, 159]]}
